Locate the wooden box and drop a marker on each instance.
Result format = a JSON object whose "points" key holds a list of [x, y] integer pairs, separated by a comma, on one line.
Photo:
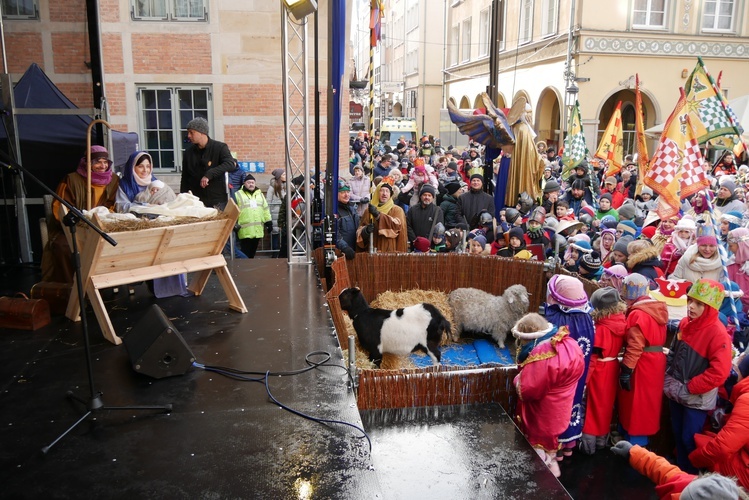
{"points": [[22, 313], [56, 294]]}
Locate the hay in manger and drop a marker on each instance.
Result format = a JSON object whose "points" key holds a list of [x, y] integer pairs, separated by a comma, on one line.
{"points": [[406, 386]]}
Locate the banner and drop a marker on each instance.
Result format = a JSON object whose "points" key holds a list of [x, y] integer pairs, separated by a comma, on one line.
{"points": [[574, 144], [677, 167], [611, 147], [642, 148]]}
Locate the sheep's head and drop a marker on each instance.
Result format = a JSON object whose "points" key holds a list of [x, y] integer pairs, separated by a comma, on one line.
{"points": [[517, 296]]}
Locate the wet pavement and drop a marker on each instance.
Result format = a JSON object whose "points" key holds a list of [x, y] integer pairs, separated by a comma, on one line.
{"points": [[226, 438]]}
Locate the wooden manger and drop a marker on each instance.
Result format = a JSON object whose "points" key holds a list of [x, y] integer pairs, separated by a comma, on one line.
{"points": [[147, 254], [434, 385]]}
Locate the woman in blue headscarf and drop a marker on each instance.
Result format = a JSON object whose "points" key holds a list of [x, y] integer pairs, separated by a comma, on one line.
{"points": [[136, 176]]}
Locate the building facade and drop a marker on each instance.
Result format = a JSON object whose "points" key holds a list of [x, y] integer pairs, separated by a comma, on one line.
{"points": [[557, 51], [166, 61]]}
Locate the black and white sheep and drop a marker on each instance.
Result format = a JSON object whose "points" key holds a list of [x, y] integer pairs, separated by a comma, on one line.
{"points": [[477, 311], [400, 332]]}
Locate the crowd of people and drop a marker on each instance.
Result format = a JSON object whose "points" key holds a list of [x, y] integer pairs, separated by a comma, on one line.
{"points": [[681, 278], [589, 360]]}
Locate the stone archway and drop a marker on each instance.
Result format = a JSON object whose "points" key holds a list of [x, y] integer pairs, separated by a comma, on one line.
{"points": [[651, 113], [397, 109], [548, 118]]}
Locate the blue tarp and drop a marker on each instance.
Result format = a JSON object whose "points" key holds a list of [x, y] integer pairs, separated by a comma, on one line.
{"points": [[478, 352], [36, 90]]}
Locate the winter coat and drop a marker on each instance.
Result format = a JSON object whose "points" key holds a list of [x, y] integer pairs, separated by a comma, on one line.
{"points": [[640, 408], [450, 213], [274, 203], [546, 386], [739, 272], [670, 257], [711, 269], [421, 220], [360, 193], [646, 262], [580, 325], [603, 372], [348, 222], [669, 480], [699, 361], [728, 451], [212, 162], [253, 213], [471, 204]]}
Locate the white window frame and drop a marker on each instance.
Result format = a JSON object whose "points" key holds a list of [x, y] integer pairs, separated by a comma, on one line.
{"points": [[412, 17], [150, 121], [171, 10], [525, 26], [649, 12], [550, 18], [485, 30], [465, 43], [717, 16], [455, 45], [11, 9]]}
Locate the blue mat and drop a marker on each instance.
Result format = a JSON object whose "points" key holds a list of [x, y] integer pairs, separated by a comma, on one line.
{"points": [[475, 353]]}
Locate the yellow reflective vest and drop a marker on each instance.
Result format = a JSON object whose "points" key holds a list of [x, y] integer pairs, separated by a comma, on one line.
{"points": [[253, 213]]}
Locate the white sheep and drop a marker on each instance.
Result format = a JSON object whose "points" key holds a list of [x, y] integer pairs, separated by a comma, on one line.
{"points": [[477, 311], [400, 332]]}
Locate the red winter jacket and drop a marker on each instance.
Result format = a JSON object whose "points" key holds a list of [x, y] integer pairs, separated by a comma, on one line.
{"points": [[699, 361], [728, 451]]}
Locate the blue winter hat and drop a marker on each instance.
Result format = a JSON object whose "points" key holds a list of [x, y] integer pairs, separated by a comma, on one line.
{"points": [[627, 227], [609, 221], [582, 246], [733, 218]]}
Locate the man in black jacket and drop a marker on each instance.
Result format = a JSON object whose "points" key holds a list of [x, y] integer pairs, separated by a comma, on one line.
{"points": [[471, 204], [204, 165], [422, 218]]}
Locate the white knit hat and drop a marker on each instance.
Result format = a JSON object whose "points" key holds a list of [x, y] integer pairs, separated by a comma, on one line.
{"points": [[530, 335]]}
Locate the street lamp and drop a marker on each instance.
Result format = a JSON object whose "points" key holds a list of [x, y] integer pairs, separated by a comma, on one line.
{"points": [[300, 8]]}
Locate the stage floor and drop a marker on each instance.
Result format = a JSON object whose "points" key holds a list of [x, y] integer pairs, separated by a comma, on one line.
{"points": [[225, 438]]}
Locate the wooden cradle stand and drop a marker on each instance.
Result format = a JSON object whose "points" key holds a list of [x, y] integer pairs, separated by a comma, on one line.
{"points": [[153, 253]]}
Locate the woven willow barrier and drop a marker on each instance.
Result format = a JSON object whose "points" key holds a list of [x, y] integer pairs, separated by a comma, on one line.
{"points": [[439, 385], [588, 285]]}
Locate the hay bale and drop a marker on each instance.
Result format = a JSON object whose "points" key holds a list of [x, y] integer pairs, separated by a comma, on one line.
{"points": [[119, 226], [396, 300]]}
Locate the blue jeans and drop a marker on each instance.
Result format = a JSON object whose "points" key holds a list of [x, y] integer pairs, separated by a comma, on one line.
{"points": [[686, 422]]}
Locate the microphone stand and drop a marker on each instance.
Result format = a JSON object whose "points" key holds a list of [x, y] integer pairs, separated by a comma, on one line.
{"points": [[95, 401]]}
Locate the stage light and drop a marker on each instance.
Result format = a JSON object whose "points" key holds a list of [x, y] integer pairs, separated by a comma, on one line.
{"points": [[300, 8]]}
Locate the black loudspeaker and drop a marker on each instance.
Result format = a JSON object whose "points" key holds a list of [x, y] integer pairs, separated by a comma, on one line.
{"points": [[156, 348]]}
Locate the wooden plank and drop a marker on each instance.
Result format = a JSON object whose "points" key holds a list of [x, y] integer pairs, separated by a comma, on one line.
{"points": [[230, 289], [105, 324], [159, 271], [163, 247], [198, 282]]}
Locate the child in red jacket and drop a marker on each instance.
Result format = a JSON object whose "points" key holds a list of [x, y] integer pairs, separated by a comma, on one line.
{"points": [[671, 482], [603, 373], [699, 363]]}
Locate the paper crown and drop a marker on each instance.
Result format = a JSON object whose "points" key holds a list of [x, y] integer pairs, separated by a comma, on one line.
{"points": [[419, 162], [674, 289], [475, 169], [708, 292], [635, 286], [706, 234]]}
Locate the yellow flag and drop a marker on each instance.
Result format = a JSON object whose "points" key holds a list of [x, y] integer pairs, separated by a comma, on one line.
{"points": [[611, 148], [642, 148]]}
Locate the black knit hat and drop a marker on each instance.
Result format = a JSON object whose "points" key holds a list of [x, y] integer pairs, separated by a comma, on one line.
{"points": [[591, 262], [452, 187], [579, 184], [477, 176], [551, 186], [427, 188], [249, 177]]}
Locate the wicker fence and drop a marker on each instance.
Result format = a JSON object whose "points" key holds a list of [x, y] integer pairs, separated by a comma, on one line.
{"points": [[377, 273]]}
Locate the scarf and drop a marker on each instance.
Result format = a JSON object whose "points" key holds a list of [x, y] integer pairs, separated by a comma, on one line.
{"points": [[97, 178], [525, 351], [680, 243], [385, 207]]}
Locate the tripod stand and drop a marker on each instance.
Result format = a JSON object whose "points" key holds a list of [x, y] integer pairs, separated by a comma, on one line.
{"points": [[94, 403]]}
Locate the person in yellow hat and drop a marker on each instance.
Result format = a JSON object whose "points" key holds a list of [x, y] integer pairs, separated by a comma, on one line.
{"points": [[699, 362]]}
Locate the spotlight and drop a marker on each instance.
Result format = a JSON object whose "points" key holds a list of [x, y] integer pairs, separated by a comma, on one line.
{"points": [[300, 8]]}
